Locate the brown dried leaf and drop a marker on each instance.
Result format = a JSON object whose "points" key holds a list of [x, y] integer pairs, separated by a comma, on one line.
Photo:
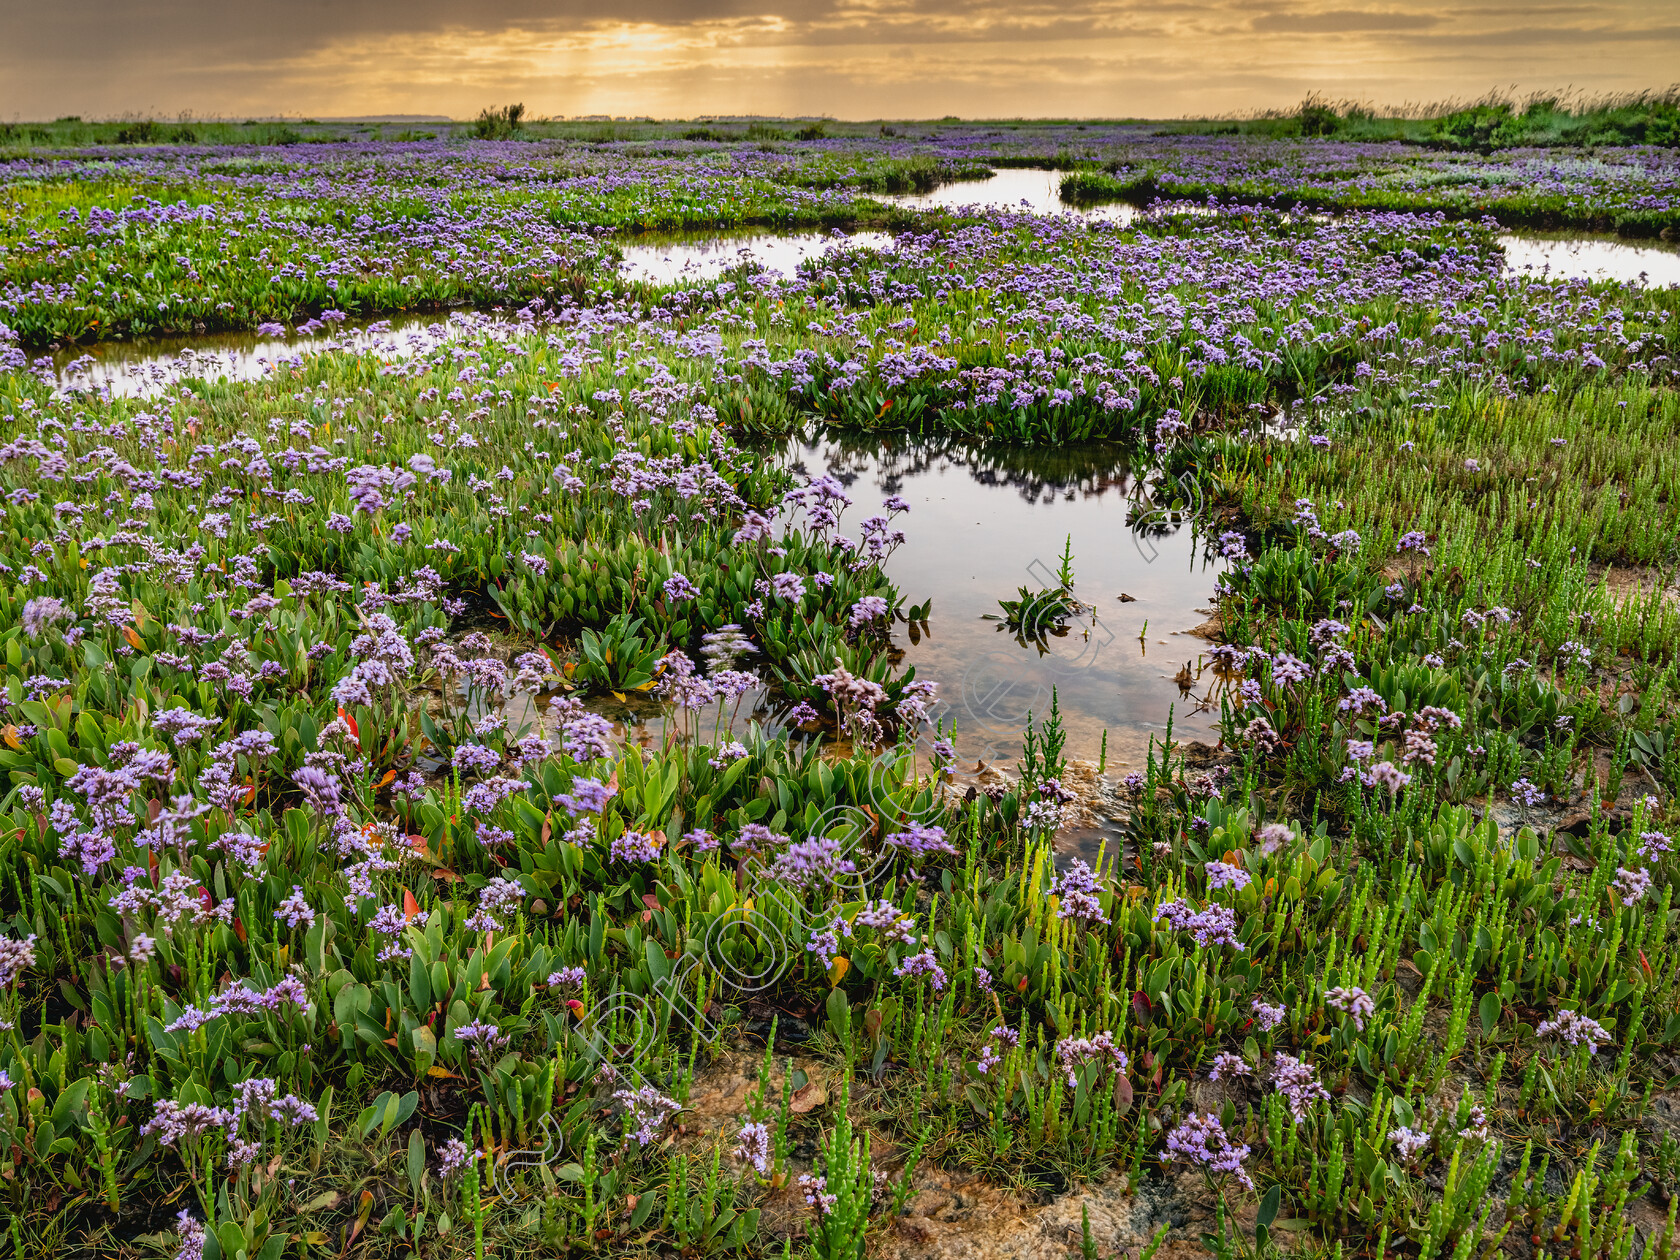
{"points": [[809, 1097]]}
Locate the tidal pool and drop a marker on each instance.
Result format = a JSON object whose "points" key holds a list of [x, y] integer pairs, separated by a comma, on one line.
{"points": [[1576, 257], [704, 256], [149, 366], [1016, 189], [984, 522]]}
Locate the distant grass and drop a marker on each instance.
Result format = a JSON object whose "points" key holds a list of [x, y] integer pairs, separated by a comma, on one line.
{"points": [[1495, 121]]}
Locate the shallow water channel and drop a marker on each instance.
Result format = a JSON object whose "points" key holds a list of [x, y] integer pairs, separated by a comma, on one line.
{"points": [[148, 366]]}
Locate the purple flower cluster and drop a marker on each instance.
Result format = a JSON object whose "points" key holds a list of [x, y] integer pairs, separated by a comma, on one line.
{"points": [[1216, 925], [648, 1110], [1073, 1052], [1201, 1140], [1574, 1029], [1298, 1083], [1076, 891]]}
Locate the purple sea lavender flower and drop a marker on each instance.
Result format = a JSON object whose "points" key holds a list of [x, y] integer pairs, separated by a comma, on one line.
{"points": [[869, 608], [1386, 774], [1355, 1002], [727, 755], [588, 737], [1074, 1052], [1229, 1065], [294, 911], [588, 796], [635, 846], [189, 1233], [1408, 1141], [481, 1038], [16, 957], [753, 1147], [817, 1196], [1574, 1029], [884, 917], [1076, 891], [923, 964], [1202, 1140], [453, 1157], [919, 841], [811, 863], [1225, 875], [41, 614], [1298, 1083], [648, 1110], [1631, 883]]}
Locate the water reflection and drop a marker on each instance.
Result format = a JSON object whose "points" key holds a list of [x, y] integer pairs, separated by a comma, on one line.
{"points": [[147, 367], [1561, 256], [705, 256], [1037, 192], [984, 522]]}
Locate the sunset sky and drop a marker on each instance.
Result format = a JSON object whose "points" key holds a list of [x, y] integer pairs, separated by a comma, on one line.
{"points": [[845, 58]]}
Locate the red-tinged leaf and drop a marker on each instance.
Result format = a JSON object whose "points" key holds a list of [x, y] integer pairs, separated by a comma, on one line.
{"points": [[575, 1006], [1022, 987], [1123, 1095], [547, 828], [651, 901], [443, 872], [389, 775], [411, 907], [205, 899], [355, 731], [363, 1212], [239, 930]]}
